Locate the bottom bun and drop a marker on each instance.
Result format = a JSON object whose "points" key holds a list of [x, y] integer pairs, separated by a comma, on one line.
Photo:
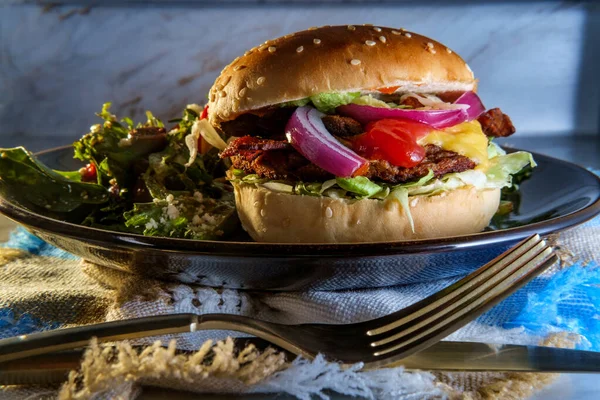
{"points": [[276, 217]]}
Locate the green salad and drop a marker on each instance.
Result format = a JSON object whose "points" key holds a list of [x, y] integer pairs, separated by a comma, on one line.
{"points": [[137, 178]]}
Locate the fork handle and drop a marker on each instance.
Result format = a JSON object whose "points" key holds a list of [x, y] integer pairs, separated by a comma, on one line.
{"points": [[24, 346]]}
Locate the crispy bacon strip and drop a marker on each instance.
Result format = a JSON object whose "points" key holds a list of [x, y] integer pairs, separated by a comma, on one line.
{"points": [[342, 126], [495, 123], [247, 143]]}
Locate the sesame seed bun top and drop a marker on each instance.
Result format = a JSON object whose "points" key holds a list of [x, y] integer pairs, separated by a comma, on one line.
{"points": [[335, 59]]}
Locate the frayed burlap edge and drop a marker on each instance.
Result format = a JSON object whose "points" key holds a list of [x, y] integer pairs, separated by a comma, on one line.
{"points": [[115, 371], [106, 371]]}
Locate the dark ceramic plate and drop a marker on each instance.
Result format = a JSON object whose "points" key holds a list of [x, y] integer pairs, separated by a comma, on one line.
{"points": [[558, 195]]}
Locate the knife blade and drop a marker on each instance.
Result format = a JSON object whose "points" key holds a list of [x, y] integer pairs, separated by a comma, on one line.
{"points": [[445, 356]]}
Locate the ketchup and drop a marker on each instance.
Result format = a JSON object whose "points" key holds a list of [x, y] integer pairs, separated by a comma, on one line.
{"points": [[388, 90], [393, 140]]}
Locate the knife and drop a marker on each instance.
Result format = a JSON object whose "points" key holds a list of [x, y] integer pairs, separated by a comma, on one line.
{"points": [[445, 355]]}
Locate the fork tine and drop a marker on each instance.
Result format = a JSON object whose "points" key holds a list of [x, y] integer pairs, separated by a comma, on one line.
{"points": [[433, 332], [478, 292], [482, 275]]}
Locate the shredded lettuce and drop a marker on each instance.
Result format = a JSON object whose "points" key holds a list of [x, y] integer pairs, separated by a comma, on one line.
{"points": [[498, 175], [360, 185], [400, 194]]}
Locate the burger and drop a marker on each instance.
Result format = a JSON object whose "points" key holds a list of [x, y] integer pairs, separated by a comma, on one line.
{"points": [[346, 134]]}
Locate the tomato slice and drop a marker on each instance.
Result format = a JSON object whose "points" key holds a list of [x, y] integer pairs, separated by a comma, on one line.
{"points": [[393, 140]]}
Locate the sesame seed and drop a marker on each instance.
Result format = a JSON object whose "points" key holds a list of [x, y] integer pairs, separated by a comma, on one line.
{"points": [[263, 47], [316, 41], [218, 86], [312, 28], [408, 35], [249, 52], [355, 61], [239, 67], [299, 49], [370, 43], [430, 45], [261, 80], [256, 204], [432, 51], [413, 202], [226, 80], [377, 29], [448, 50], [212, 97], [242, 92], [328, 212], [272, 49], [396, 32], [222, 93], [383, 39], [262, 212], [403, 30], [351, 28]]}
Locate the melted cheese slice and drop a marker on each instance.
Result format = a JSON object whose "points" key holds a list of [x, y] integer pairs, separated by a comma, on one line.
{"points": [[466, 139]]}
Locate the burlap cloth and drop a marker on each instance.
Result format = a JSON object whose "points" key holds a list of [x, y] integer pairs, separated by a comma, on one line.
{"points": [[42, 287]]}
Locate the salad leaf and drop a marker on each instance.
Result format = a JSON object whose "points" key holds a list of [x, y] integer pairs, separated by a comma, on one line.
{"points": [[114, 148], [185, 216], [360, 185], [24, 178]]}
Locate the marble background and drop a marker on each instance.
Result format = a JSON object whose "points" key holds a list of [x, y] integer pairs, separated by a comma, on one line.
{"points": [[58, 64]]}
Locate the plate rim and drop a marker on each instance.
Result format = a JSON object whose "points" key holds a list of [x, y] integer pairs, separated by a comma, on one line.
{"points": [[22, 216]]}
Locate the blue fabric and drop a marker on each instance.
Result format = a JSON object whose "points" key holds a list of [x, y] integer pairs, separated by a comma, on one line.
{"points": [[23, 240], [13, 325]]}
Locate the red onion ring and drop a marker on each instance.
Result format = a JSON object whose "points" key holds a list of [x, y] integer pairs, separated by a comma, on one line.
{"points": [[435, 118], [307, 134]]}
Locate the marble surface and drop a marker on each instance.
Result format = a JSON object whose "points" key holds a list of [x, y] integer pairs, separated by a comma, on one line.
{"points": [[59, 64]]}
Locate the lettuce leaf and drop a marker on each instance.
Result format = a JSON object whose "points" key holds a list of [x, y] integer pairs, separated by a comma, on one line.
{"points": [[369, 100], [499, 174], [325, 102]]}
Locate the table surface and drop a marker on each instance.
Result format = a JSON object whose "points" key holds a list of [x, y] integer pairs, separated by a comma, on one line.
{"points": [[583, 150]]}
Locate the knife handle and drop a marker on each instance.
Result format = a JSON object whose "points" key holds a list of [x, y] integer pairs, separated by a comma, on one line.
{"points": [[71, 338]]}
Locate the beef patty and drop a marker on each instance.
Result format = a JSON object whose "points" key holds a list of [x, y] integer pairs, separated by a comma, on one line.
{"points": [[277, 160]]}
